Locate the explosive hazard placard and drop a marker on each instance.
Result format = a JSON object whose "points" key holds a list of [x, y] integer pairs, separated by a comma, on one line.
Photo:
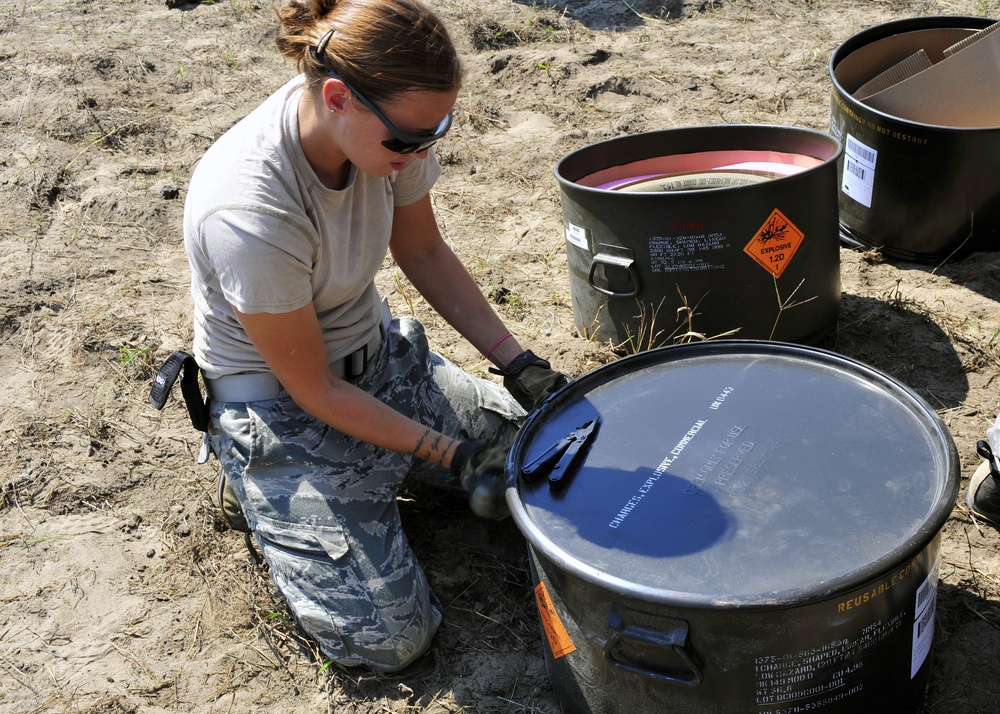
{"points": [[775, 243], [555, 631]]}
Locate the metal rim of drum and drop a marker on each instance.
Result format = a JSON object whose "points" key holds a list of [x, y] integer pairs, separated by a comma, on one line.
{"points": [[812, 144]]}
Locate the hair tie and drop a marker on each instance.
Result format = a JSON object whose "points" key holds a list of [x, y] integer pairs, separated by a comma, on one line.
{"points": [[497, 344], [320, 49]]}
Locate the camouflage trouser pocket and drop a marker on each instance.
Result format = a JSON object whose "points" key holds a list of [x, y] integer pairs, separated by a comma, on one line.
{"points": [[360, 611], [501, 414]]}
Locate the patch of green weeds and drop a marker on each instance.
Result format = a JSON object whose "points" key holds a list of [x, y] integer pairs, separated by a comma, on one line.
{"points": [[987, 7], [993, 338], [500, 295], [135, 355]]}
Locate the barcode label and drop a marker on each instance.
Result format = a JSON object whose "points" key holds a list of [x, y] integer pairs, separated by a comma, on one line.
{"points": [[860, 150], [577, 235], [925, 591], [859, 171], [924, 621], [925, 602]]}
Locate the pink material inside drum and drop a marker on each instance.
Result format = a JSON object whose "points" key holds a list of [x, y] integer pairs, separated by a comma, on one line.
{"points": [[769, 163]]}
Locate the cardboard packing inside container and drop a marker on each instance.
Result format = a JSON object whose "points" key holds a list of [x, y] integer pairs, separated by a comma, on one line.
{"points": [[917, 62], [944, 77], [876, 57]]}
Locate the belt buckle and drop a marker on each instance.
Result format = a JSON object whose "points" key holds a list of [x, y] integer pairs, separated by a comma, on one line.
{"points": [[356, 362]]}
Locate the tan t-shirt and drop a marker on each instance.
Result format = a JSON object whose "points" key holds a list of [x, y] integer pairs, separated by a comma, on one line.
{"points": [[263, 234]]}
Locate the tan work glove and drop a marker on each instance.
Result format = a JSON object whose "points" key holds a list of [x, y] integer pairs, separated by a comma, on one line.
{"points": [[531, 379], [480, 468]]}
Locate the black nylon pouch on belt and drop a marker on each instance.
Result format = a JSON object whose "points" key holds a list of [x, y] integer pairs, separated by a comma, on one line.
{"points": [[193, 400]]}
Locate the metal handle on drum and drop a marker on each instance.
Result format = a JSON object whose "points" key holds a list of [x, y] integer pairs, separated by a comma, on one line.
{"points": [[616, 257], [674, 640]]}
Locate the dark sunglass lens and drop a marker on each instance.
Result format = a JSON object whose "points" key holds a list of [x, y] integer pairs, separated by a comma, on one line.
{"points": [[402, 147], [397, 146]]}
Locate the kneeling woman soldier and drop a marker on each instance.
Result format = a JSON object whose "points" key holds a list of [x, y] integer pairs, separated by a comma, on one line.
{"points": [[321, 402]]}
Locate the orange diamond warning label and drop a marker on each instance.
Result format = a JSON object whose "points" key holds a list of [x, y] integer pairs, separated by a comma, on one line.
{"points": [[775, 243]]}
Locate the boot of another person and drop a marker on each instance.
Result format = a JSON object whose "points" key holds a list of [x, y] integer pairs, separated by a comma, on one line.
{"points": [[232, 511], [984, 494]]}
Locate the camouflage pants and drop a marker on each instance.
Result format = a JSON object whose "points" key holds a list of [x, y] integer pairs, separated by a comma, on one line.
{"points": [[322, 505]]}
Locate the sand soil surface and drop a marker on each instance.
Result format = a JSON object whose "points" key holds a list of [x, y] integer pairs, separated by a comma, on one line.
{"points": [[121, 588]]}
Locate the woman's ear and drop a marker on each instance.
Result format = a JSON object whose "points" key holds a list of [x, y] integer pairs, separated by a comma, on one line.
{"points": [[335, 94]]}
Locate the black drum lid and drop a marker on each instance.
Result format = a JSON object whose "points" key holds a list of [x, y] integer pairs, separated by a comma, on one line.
{"points": [[737, 472]]}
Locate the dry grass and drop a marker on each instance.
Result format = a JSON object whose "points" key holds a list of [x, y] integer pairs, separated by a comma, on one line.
{"points": [[93, 296]]}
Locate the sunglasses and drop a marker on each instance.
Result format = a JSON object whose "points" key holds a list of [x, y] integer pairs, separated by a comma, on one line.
{"points": [[401, 142]]}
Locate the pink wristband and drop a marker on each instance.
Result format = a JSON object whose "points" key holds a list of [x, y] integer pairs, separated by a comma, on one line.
{"points": [[497, 344]]}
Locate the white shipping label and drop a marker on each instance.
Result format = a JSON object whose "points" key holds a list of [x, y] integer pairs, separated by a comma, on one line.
{"points": [[859, 171], [577, 235], [923, 619]]}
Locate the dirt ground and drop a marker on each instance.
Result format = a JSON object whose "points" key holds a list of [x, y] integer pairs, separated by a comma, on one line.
{"points": [[120, 588]]}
